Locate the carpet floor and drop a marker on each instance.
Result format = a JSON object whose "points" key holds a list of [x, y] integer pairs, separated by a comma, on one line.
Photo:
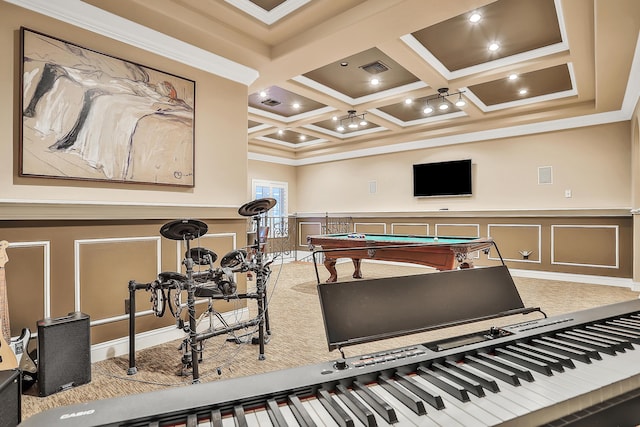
{"points": [[298, 337]]}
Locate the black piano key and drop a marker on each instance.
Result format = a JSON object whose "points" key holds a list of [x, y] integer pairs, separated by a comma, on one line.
{"points": [[337, 413], [634, 324], [589, 351], [621, 343], [451, 388], [630, 325], [616, 332], [378, 404], [216, 418], [525, 361], [414, 387], [587, 343], [634, 336], [523, 374], [403, 395], [192, 420], [299, 412], [240, 418], [275, 415], [548, 360], [608, 344], [493, 370], [569, 352], [565, 361], [469, 384], [484, 381], [363, 413]]}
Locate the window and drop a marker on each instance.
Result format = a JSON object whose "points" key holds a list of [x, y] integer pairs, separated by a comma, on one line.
{"points": [[276, 217]]}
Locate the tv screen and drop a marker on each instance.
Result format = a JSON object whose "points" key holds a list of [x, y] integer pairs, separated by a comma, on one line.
{"points": [[452, 178]]}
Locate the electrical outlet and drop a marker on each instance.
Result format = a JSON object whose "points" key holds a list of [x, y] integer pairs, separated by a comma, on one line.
{"points": [[567, 193]]}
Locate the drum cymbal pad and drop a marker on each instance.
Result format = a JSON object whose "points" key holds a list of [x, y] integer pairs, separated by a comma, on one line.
{"points": [[256, 207], [184, 229]]}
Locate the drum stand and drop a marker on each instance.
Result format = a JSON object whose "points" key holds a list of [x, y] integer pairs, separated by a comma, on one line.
{"points": [[235, 261]]}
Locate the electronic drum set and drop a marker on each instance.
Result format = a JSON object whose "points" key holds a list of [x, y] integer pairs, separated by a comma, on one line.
{"points": [[214, 283]]}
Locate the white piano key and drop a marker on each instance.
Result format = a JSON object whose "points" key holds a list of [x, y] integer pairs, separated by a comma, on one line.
{"points": [[228, 421], [252, 420], [465, 412], [433, 417], [288, 416], [264, 420], [520, 395], [317, 413]]}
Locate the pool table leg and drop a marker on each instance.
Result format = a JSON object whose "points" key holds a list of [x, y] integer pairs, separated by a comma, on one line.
{"points": [[330, 264], [357, 273]]}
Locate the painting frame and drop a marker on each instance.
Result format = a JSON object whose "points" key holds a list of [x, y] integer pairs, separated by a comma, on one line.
{"points": [[91, 116]]}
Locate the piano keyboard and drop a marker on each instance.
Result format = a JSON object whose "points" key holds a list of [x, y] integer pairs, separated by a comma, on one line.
{"points": [[540, 371]]}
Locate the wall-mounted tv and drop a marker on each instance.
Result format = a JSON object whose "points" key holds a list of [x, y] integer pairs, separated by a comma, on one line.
{"points": [[451, 178]]}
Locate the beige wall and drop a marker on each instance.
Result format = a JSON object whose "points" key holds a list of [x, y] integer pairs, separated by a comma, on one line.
{"points": [[593, 162], [221, 109]]}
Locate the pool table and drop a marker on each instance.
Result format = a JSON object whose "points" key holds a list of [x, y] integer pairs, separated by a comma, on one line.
{"points": [[437, 252]]}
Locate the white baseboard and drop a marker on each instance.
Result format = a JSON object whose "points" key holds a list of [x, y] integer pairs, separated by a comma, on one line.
{"points": [[580, 278], [120, 346]]}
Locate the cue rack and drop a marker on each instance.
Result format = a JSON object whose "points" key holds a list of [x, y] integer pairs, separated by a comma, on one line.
{"points": [[214, 283]]}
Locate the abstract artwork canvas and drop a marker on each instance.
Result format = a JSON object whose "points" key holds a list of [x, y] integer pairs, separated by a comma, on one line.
{"points": [[91, 116]]}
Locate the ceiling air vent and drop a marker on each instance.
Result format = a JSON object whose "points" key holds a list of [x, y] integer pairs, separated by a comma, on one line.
{"points": [[376, 67], [271, 102]]}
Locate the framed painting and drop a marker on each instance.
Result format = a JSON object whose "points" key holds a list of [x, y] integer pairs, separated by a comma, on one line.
{"points": [[91, 116]]}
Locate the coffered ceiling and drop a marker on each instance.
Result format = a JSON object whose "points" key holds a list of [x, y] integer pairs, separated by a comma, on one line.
{"points": [[556, 64]]}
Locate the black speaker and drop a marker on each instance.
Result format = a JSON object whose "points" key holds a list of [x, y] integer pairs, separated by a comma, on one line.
{"points": [[10, 398], [64, 353]]}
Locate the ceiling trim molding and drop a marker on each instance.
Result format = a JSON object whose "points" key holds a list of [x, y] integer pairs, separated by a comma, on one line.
{"points": [[271, 16], [301, 116], [421, 121], [96, 20], [428, 57], [486, 135], [290, 144], [343, 136], [361, 100]]}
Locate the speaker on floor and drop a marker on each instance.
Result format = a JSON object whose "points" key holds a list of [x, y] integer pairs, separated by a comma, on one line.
{"points": [[64, 353], [10, 398]]}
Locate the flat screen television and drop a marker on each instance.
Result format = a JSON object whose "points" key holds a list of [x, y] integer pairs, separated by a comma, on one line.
{"points": [[451, 178]]}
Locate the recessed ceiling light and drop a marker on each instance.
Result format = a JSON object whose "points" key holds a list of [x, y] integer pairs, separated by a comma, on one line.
{"points": [[280, 131], [302, 137], [513, 76], [494, 46], [296, 105], [344, 64], [263, 94], [475, 17], [374, 81], [408, 101], [523, 91], [334, 118]]}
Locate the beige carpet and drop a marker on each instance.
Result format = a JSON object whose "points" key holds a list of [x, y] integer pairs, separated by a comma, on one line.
{"points": [[298, 336]]}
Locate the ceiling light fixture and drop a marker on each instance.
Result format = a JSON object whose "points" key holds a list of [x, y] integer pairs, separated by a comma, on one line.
{"points": [[475, 17], [493, 47], [374, 81], [513, 76], [442, 102], [352, 121]]}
